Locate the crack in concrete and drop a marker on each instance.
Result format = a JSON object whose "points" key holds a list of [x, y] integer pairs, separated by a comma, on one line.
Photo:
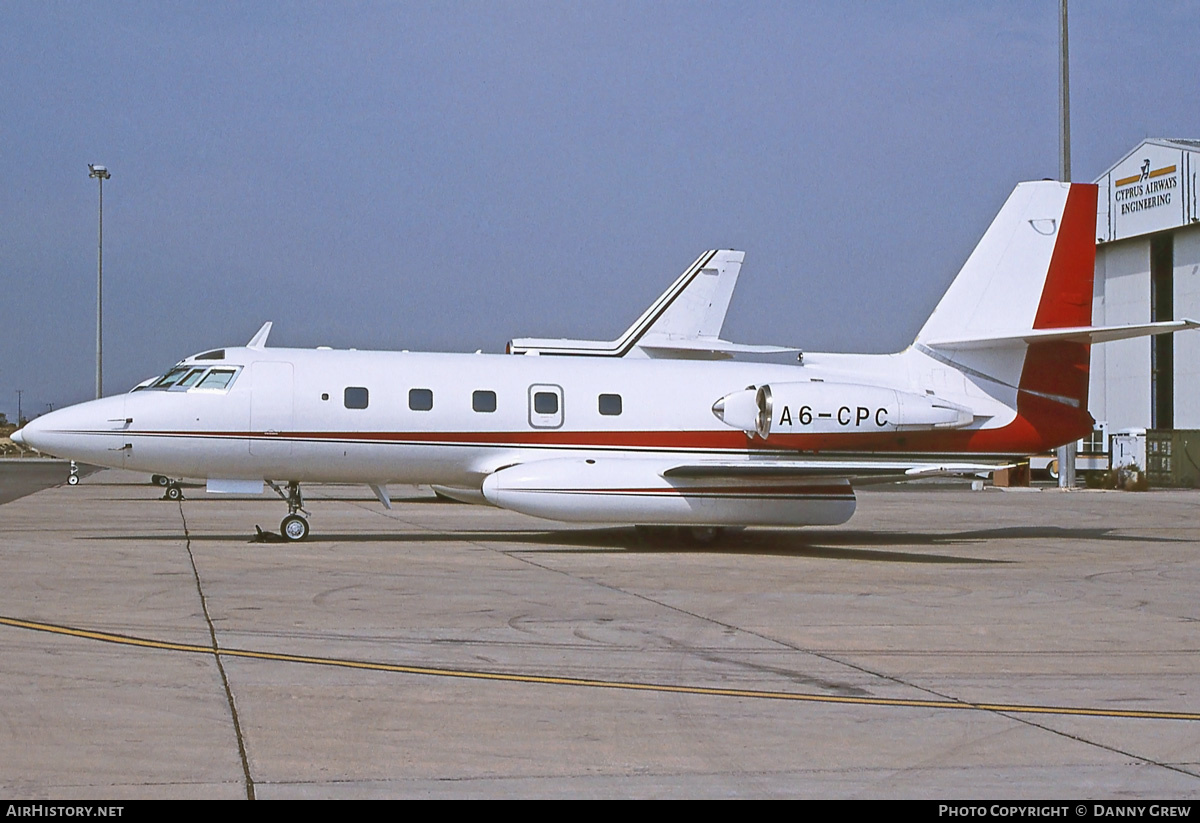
{"points": [[212, 634]]}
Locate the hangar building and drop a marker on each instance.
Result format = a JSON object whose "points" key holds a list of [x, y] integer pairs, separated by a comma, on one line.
{"points": [[1148, 269]]}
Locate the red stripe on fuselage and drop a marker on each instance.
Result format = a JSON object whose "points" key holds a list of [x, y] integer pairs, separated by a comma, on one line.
{"points": [[837, 490], [1018, 437]]}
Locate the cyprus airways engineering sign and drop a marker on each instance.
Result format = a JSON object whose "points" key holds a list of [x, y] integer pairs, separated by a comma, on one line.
{"points": [[1148, 189], [1146, 192]]}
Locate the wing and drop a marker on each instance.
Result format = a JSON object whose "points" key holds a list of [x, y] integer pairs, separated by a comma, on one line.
{"points": [[652, 491], [855, 471], [859, 473]]}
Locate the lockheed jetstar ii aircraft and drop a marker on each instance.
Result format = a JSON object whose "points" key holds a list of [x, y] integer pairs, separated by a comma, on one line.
{"points": [[659, 427]]}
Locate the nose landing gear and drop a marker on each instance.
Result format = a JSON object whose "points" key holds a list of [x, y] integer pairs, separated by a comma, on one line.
{"points": [[294, 527]]}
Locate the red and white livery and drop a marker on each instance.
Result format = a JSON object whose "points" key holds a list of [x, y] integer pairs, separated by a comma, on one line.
{"points": [[659, 427]]}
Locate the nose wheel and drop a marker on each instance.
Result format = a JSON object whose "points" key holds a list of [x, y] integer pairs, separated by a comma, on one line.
{"points": [[294, 527]]}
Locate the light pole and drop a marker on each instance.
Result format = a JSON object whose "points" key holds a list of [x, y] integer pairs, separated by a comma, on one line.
{"points": [[1066, 453], [101, 174]]}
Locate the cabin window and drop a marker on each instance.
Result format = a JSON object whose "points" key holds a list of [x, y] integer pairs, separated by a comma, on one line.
{"points": [[420, 399], [356, 397], [216, 379], [483, 401], [545, 402], [610, 404]]}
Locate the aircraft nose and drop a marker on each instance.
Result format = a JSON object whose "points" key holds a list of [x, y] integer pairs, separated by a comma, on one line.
{"points": [[88, 431], [27, 435]]}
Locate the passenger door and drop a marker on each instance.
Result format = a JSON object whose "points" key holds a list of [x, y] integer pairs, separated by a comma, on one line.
{"points": [[271, 409], [545, 406]]}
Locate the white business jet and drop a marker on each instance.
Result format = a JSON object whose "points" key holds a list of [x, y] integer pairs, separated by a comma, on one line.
{"points": [[660, 427]]}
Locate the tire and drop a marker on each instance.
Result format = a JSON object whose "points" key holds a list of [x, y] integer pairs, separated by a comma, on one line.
{"points": [[73, 480], [160, 480], [676, 535], [293, 528], [703, 535], [174, 492], [656, 535]]}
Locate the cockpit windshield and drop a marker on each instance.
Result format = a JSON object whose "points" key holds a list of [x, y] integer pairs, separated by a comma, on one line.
{"points": [[189, 379], [201, 378], [168, 379]]}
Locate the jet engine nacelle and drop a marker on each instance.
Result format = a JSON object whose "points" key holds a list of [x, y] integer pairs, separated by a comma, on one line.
{"points": [[634, 491], [823, 408]]}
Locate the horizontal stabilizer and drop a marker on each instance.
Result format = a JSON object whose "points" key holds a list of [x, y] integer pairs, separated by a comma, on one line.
{"points": [[1076, 334]]}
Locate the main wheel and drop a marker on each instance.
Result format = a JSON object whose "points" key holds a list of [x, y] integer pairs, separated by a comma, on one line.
{"points": [[703, 535], [656, 534], [294, 528], [160, 480], [73, 480], [174, 492]]}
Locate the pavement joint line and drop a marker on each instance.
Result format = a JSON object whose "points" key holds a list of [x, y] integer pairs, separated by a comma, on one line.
{"points": [[1026, 717], [1013, 708], [212, 633]]}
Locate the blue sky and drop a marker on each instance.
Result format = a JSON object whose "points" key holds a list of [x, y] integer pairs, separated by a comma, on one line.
{"points": [[447, 175]]}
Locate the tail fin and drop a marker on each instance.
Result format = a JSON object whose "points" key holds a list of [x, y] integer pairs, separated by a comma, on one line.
{"points": [[1018, 316], [1033, 269], [1059, 370]]}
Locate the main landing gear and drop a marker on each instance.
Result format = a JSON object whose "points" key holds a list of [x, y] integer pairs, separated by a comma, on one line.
{"points": [[294, 527], [693, 535], [172, 489]]}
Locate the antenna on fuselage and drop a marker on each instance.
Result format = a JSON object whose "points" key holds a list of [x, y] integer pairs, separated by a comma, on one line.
{"points": [[259, 340]]}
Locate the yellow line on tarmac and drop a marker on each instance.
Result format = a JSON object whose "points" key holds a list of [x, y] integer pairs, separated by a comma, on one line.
{"points": [[1013, 708]]}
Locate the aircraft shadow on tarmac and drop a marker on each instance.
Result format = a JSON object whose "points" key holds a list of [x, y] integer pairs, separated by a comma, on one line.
{"points": [[835, 545]]}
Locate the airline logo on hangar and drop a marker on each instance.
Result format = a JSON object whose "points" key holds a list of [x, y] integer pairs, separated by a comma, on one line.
{"points": [[1148, 189]]}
